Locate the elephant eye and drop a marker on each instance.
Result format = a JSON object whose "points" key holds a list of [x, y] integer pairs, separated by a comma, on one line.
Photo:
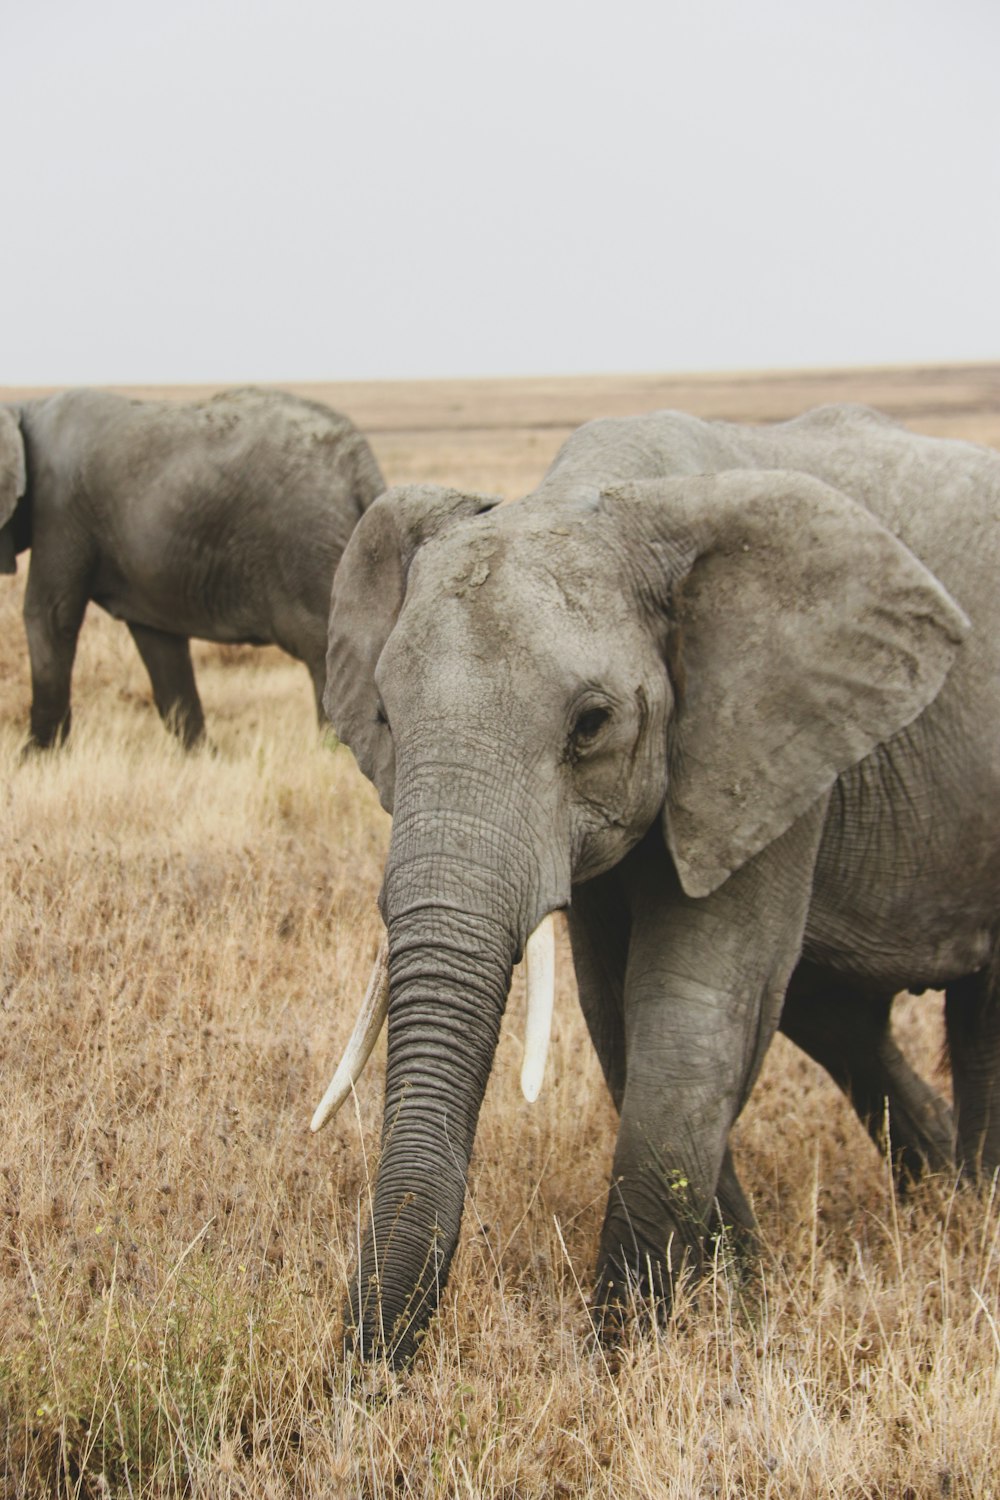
{"points": [[588, 726], [381, 717]]}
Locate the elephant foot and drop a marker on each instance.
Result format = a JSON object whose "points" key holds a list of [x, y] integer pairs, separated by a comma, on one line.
{"points": [[189, 731], [637, 1285], [34, 747], [642, 1288]]}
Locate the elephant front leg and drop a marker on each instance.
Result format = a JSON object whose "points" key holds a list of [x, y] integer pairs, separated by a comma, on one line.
{"points": [[703, 991], [599, 929], [599, 921], [167, 659], [674, 1185], [52, 621]]}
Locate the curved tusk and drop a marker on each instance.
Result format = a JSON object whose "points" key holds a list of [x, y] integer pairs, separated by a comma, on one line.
{"points": [[540, 961], [363, 1039]]}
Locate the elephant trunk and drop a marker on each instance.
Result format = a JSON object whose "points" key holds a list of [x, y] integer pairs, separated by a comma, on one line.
{"points": [[458, 907], [448, 990]]}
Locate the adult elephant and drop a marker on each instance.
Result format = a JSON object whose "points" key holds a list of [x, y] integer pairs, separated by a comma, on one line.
{"points": [[731, 697], [223, 519]]}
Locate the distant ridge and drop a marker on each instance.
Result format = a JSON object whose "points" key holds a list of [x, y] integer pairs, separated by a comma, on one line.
{"points": [[468, 430]]}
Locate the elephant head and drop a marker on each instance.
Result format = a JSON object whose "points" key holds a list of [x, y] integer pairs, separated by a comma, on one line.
{"points": [[13, 483], [531, 687]]}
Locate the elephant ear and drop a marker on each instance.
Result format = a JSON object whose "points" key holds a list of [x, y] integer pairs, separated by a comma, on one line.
{"points": [[13, 483], [368, 592], [808, 635]]}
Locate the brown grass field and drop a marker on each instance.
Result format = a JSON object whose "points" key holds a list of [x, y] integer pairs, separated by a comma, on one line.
{"points": [[183, 942]]}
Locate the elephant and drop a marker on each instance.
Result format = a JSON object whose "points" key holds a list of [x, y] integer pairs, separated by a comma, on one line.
{"points": [[729, 696], [222, 519]]}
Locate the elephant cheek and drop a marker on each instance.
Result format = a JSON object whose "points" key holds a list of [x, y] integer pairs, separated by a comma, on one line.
{"points": [[604, 833]]}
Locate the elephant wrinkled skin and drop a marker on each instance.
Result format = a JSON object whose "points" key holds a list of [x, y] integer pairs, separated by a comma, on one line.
{"points": [[731, 696], [223, 520]]}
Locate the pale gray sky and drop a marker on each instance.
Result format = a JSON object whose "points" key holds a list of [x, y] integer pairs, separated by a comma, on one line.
{"points": [[309, 189]]}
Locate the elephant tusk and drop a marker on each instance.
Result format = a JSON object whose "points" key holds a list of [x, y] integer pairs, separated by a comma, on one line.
{"points": [[540, 963], [363, 1039]]}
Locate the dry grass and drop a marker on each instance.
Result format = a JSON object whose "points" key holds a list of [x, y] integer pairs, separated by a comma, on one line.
{"points": [[182, 941]]}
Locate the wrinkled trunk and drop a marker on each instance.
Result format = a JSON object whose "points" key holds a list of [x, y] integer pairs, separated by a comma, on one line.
{"points": [[449, 976], [458, 911]]}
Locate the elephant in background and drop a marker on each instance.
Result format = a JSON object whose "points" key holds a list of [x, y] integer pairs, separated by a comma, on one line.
{"points": [[223, 519], [731, 697]]}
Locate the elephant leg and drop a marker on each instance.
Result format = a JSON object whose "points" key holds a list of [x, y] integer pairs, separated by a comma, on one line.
{"points": [[318, 676], [598, 919], [731, 1211], [301, 630], [52, 620], [847, 1030], [599, 927], [704, 986], [972, 1022], [167, 659]]}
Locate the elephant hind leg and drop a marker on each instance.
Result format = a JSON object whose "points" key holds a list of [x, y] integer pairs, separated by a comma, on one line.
{"points": [[310, 647], [318, 674], [303, 635], [848, 1031], [972, 1022], [167, 659]]}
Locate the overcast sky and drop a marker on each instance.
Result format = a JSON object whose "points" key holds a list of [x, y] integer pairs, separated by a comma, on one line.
{"points": [[310, 189]]}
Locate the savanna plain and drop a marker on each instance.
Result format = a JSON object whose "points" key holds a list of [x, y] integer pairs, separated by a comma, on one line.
{"points": [[184, 940]]}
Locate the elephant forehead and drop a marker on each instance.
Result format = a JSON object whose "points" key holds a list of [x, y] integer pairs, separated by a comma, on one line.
{"points": [[501, 574], [500, 628]]}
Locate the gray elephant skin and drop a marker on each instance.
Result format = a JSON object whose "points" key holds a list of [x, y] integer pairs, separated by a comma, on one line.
{"points": [[223, 520], [730, 696]]}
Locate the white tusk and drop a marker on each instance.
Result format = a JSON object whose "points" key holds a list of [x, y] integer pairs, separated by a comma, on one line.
{"points": [[540, 963], [363, 1039]]}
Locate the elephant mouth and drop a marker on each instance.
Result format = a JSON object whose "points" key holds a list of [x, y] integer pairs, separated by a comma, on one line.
{"points": [[539, 958]]}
